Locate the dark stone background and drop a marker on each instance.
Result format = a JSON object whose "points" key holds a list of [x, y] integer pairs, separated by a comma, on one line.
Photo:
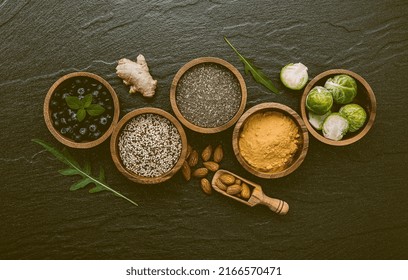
{"points": [[346, 202]]}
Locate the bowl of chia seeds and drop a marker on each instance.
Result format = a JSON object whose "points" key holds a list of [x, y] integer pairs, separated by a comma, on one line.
{"points": [[148, 146], [208, 95], [81, 109]]}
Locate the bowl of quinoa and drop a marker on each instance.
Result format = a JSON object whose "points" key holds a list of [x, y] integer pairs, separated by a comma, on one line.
{"points": [[148, 146], [208, 95]]}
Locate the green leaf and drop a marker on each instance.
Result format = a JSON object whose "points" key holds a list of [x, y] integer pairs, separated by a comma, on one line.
{"points": [[95, 110], [68, 172], [97, 188], [74, 167], [87, 100], [81, 114], [81, 184], [70, 159], [101, 174], [52, 150], [258, 75], [87, 168], [73, 102]]}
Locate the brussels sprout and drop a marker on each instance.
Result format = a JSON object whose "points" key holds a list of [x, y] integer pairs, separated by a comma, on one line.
{"points": [[319, 100], [342, 87], [317, 120], [355, 115], [335, 127], [294, 76]]}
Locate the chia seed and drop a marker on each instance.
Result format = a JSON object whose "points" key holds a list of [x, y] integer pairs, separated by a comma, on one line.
{"points": [[149, 145], [208, 95]]}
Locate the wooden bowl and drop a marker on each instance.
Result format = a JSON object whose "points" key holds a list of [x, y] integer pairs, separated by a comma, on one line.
{"points": [[297, 158], [114, 149], [365, 98], [173, 93], [48, 112]]}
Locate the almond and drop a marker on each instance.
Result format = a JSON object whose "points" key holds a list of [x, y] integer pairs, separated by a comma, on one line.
{"points": [[186, 171], [220, 185], [189, 149], [212, 166], [206, 154], [234, 189], [200, 172], [227, 179], [237, 182], [245, 192], [206, 186], [193, 159], [218, 153]]}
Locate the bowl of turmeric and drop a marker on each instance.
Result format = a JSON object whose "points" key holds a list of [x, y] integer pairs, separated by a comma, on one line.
{"points": [[270, 140]]}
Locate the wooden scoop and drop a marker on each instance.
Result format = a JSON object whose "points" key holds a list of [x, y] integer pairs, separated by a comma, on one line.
{"points": [[257, 196]]}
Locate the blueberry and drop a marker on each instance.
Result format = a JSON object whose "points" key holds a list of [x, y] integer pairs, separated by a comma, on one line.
{"points": [[63, 121], [65, 130], [77, 137], [81, 91], [96, 134], [65, 95], [83, 131], [55, 116], [95, 93], [57, 123], [103, 120], [92, 128], [99, 87], [54, 104]]}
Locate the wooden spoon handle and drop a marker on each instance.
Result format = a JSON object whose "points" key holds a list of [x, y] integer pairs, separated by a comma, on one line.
{"points": [[276, 205]]}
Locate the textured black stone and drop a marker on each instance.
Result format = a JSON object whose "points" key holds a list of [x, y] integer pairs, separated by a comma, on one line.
{"points": [[345, 202]]}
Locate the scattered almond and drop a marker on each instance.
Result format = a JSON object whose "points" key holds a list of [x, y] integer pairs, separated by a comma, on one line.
{"points": [[200, 172], [218, 153], [220, 185], [186, 171], [206, 154], [234, 189], [245, 192], [227, 179], [189, 149], [193, 159], [206, 186], [211, 165]]}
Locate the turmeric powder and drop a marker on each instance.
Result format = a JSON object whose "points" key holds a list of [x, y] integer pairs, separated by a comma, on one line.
{"points": [[268, 141]]}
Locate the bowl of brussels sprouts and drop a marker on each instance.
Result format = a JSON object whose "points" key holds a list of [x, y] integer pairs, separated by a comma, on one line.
{"points": [[338, 107]]}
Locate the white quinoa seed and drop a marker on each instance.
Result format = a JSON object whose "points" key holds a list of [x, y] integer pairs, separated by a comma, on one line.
{"points": [[208, 95], [149, 145]]}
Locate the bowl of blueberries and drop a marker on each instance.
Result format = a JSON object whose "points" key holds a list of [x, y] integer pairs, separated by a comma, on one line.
{"points": [[81, 110]]}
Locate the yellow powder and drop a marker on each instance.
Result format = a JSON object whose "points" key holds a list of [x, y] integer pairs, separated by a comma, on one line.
{"points": [[268, 141]]}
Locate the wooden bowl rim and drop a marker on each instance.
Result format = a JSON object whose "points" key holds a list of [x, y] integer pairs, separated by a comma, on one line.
{"points": [[183, 70], [287, 111], [371, 97], [65, 140], [115, 150]]}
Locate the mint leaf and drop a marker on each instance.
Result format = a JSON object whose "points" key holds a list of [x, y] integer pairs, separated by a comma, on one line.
{"points": [[95, 110], [81, 114], [73, 102], [87, 100]]}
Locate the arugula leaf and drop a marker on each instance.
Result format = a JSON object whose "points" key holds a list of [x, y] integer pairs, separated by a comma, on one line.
{"points": [[73, 168], [258, 75]]}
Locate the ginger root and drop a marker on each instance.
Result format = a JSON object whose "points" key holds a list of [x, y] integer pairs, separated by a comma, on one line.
{"points": [[136, 74]]}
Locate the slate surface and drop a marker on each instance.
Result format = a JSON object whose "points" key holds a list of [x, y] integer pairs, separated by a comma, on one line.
{"points": [[346, 202]]}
